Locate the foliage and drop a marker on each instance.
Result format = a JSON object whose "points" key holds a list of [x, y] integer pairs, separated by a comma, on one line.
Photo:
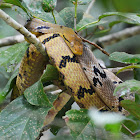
{"points": [[8, 87], [23, 118], [10, 57], [125, 58]]}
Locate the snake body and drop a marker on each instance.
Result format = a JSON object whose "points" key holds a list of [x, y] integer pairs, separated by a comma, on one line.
{"points": [[31, 68], [71, 72], [88, 83], [100, 79]]}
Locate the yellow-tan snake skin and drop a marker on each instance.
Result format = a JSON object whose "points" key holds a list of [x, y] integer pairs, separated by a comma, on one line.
{"points": [[88, 83]]}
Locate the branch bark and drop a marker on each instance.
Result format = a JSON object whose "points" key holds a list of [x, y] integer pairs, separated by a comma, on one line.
{"points": [[11, 40], [30, 37], [94, 44], [133, 134], [116, 37]]}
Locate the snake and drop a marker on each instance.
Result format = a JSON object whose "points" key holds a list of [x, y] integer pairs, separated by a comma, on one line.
{"points": [[82, 75]]}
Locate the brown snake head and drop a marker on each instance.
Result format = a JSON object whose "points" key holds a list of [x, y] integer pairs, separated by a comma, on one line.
{"points": [[39, 27]]}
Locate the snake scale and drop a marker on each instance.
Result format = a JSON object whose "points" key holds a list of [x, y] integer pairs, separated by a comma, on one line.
{"points": [[87, 82]]}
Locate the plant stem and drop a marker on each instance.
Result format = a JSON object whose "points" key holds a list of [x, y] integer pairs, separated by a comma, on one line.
{"points": [[75, 17], [54, 17], [98, 47], [133, 134], [88, 25], [11, 40]]}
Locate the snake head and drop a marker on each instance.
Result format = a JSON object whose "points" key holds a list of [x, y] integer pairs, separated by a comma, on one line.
{"points": [[74, 42], [38, 27], [76, 46]]}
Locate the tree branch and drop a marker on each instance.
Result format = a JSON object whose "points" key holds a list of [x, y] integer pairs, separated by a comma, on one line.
{"points": [[11, 40], [30, 37], [133, 134], [116, 37], [98, 47]]}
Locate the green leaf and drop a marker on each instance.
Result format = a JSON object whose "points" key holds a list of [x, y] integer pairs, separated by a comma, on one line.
{"points": [[128, 87], [59, 19], [88, 22], [35, 95], [84, 21], [51, 73], [136, 73], [33, 6], [49, 17], [8, 86], [80, 124], [131, 6], [110, 121], [19, 4], [131, 18], [81, 2], [114, 128], [131, 124], [21, 121], [125, 57], [49, 5], [137, 98], [68, 13], [131, 107], [5, 5], [83, 128], [10, 57]]}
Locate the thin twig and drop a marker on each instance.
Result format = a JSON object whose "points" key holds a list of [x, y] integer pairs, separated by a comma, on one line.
{"points": [[98, 47], [11, 40], [116, 37], [133, 134], [30, 37]]}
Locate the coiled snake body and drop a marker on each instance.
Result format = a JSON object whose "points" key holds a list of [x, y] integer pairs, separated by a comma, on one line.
{"points": [[88, 83]]}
